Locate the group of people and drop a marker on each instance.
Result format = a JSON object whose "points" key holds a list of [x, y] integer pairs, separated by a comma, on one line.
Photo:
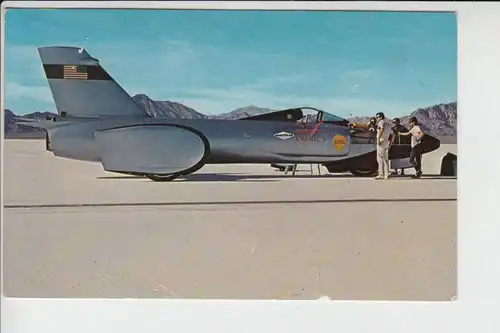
{"points": [[386, 135]]}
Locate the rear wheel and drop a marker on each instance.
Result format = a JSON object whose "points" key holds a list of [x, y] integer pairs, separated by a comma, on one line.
{"points": [[169, 177], [162, 178], [364, 172]]}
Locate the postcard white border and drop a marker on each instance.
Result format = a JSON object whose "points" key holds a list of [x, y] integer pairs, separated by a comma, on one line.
{"points": [[478, 236]]}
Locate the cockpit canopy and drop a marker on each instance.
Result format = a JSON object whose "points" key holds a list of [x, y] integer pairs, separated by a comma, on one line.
{"points": [[315, 115], [302, 114]]}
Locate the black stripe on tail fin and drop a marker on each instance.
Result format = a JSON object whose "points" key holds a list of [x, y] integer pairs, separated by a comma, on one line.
{"points": [[80, 72]]}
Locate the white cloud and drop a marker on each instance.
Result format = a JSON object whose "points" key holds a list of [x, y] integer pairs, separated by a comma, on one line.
{"points": [[274, 81], [22, 62], [358, 74], [220, 100], [178, 53], [25, 52], [16, 91]]}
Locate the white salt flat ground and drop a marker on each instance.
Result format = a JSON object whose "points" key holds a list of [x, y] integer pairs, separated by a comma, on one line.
{"points": [[74, 230]]}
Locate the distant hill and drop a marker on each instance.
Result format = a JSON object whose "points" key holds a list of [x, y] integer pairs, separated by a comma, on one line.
{"points": [[438, 120], [168, 109], [244, 112], [13, 130]]}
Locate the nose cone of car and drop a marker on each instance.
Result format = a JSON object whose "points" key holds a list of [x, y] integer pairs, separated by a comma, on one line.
{"points": [[430, 143]]}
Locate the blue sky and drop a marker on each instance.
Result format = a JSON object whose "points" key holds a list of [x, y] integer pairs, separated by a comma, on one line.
{"points": [[348, 63]]}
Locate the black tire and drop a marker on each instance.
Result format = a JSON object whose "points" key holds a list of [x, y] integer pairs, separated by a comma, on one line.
{"points": [[162, 178], [364, 172], [171, 177]]}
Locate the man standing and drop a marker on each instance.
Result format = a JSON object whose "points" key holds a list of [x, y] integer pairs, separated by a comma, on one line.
{"points": [[383, 144], [416, 146], [398, 128]]}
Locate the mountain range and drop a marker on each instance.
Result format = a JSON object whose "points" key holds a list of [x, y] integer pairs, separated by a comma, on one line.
{"points": [[438, 120]]}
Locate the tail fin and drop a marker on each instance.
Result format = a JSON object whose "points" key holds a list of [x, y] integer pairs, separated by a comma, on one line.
{"points": [[82, 88]]}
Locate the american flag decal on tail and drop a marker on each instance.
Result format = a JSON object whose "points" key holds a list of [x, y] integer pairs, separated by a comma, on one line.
{"points": [[75, 72]]}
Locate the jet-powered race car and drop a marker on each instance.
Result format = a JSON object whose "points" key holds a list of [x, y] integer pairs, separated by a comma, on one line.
{"points": [[99, 122]]}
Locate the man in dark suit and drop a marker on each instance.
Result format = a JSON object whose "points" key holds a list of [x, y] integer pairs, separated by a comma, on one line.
{"points": [[396, 139], [398, 128]]}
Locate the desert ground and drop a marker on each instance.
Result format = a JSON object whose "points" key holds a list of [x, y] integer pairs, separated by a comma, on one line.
{"points": [[238, 232]]}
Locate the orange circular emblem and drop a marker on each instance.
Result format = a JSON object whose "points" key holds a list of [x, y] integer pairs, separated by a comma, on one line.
{"points": [[339, 142]]}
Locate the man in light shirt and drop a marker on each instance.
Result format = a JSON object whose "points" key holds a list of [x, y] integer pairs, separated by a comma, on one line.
{"points": [[416, 146], [383, 145]]}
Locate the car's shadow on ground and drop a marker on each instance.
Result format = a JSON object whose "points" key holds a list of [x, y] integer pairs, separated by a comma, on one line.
{"points": [[234, 177], [278, 176]]}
